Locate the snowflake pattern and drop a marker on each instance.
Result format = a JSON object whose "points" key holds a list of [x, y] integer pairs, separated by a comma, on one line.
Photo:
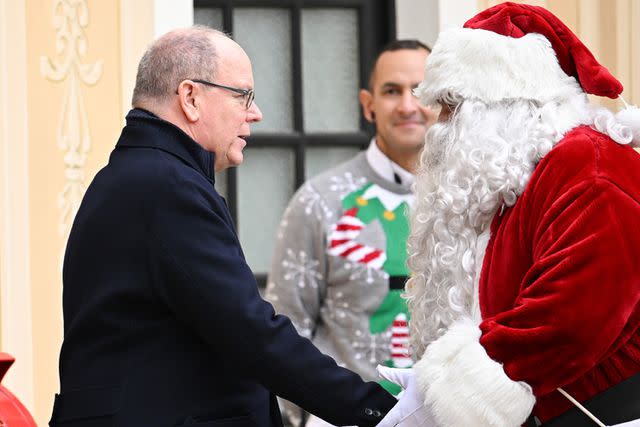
{"points": [[337, 306], [310, 197], [365, 272], [374, 347], [301, 269], [306, 328], [283, 225], [346, 184]]}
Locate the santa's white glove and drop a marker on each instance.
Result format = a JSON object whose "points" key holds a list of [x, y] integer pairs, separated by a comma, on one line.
{"points": [[410, 410], [634, 423]]}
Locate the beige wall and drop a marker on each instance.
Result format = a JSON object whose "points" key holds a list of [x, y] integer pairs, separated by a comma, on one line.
{"points": [[15, 290], [61, 110], [74, 118]]}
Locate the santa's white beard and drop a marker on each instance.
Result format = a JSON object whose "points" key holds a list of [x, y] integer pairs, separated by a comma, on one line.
{"points": [[471, 166]]}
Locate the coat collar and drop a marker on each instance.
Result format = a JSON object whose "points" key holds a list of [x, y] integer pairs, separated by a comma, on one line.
{"points": [[145, 129]]}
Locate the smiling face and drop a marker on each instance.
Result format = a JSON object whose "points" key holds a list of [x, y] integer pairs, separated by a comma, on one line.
{"points": [[224, 122], [401, 121]]}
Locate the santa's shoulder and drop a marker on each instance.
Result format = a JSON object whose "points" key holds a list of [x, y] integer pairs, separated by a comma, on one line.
{"points": [[584, 153]]}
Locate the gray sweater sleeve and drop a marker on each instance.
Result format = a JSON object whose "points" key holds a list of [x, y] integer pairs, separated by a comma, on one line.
{"points": [[296, 285]]}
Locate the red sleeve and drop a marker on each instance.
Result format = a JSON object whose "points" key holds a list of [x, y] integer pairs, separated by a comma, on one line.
{"points": [[577, 301]]}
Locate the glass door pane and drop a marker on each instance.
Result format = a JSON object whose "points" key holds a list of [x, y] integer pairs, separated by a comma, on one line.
{"points": [[265, 185], [210, 17], [330, 70], [265, 34]]}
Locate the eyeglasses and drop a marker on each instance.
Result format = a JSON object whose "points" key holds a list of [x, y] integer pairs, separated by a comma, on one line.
{"points": [[248, 94]]}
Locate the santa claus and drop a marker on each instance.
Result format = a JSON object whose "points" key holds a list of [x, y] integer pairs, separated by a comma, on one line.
{"points": [[525, 240]]}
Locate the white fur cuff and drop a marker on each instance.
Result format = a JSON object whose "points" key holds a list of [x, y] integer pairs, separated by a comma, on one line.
{"points": [[465, 387]]}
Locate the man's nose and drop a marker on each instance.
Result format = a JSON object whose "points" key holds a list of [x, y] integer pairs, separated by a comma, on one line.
{"points": [[254, 114], [408, 103]]}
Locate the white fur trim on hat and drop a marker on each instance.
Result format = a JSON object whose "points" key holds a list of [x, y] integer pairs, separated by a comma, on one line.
{"points": [[483, 65], [465, 387]]}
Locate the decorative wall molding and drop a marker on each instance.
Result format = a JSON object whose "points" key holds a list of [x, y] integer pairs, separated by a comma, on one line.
{"points": [[70, 18]]}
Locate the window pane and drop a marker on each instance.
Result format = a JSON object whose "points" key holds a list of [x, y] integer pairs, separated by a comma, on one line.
{"points": [[330, 70], [319, 159], [208, 16], [265, 34], [265, 185]]}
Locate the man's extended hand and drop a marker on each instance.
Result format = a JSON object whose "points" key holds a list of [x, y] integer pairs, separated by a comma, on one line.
{"points": [[410, 410]]}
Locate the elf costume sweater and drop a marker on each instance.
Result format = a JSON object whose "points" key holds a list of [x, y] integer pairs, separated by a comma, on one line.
{"points": [[339, 267]]}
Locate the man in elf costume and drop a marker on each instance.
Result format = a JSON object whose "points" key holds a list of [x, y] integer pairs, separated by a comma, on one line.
{"points": [[525, 237], [339, 266]]}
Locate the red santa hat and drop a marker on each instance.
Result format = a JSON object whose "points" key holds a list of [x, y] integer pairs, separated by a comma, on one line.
{"points": [[516, 51]]}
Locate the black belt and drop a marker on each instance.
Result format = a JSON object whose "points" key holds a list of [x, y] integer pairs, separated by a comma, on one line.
{"points": [[397, 282], [615, 405]]}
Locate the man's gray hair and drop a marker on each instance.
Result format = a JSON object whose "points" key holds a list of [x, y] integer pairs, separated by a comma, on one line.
{"points": [[187, 53]]}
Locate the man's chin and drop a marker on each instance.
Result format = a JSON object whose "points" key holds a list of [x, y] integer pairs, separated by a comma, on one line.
{"points": [[228, 162], [235, 159], [410, 132], [408, 141], [413, 148]]}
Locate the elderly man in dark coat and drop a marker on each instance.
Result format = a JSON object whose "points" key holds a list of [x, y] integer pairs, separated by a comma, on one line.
{"points": [[163, 322]]}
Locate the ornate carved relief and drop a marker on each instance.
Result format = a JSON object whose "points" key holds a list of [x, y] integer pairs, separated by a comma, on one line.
{"points": [[70, 18]]}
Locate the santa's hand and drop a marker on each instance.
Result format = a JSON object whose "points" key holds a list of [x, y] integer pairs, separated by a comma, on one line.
{"points": [[410, 410]]}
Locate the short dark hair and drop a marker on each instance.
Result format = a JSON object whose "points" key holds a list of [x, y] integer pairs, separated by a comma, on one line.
{"points": [[402, 44]]}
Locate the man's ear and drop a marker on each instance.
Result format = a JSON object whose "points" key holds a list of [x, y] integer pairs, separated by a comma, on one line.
{"points": [[188, 100], [366, 100]]}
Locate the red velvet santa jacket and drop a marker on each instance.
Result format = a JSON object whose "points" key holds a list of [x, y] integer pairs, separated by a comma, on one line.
{"points": [[559, 294]]}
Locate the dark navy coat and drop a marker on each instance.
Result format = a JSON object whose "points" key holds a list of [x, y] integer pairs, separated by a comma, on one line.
{"points": [[163, 322]]}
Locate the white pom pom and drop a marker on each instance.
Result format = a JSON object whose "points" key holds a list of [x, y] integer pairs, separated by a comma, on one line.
{"points": [[630, 117]]}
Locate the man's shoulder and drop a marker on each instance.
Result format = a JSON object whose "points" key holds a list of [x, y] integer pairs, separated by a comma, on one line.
{"points": [[349, 171], [324, 192], [138, 163], [156, 170], [585, 154], [584, 147], [580, 138]]}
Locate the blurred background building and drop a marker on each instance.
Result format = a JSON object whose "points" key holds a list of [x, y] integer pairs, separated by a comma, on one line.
{"points": [[67, 69]]}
